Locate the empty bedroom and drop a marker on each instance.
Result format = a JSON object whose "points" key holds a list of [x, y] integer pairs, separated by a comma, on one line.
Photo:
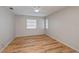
{"points": [[39, 29]]}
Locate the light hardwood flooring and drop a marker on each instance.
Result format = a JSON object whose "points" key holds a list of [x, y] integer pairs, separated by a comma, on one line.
{"points": [[37, 44]]}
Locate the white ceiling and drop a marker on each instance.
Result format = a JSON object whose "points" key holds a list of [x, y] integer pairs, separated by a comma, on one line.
{"points": [[29, 10]]}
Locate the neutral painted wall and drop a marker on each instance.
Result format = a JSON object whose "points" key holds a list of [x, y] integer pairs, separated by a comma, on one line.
{"points": [[64, 26], [7, 33], [21, 26]]}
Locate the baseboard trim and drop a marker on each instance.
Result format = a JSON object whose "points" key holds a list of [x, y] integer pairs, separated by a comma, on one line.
{"points": [[6, 45], [28, 35], [63, 42]]}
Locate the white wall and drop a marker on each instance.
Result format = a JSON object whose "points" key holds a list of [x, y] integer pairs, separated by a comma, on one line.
{"points": [[64, 26], [7, 33], [21, 26]]}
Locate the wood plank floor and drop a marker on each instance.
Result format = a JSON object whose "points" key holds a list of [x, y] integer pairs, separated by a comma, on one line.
{"points": [[37, 44]]}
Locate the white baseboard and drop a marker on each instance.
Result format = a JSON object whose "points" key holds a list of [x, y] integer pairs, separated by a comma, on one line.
{"points": [[27, 35], [6, 45], [63, 42]]}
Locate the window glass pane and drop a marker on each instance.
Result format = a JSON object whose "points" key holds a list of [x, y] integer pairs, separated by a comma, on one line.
{"points": [[30, 24], [46, 23]]}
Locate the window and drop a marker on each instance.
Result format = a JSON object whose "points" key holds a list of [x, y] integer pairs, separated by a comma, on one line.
{"points": [[31, 24], [46, 23]]}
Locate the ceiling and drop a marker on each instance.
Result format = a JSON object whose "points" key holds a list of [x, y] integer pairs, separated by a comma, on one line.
{"points": [[29, 10]]}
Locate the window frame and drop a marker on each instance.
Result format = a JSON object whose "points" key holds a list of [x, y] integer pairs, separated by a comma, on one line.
{"points": [[27, 26]]}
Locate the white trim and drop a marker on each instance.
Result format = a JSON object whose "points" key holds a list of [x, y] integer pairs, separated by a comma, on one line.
{"points": [[29, 35], [63, 42], [1, 50]]}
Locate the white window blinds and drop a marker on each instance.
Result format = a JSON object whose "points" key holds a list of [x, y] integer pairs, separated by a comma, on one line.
{"points": [[31, 24]]}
